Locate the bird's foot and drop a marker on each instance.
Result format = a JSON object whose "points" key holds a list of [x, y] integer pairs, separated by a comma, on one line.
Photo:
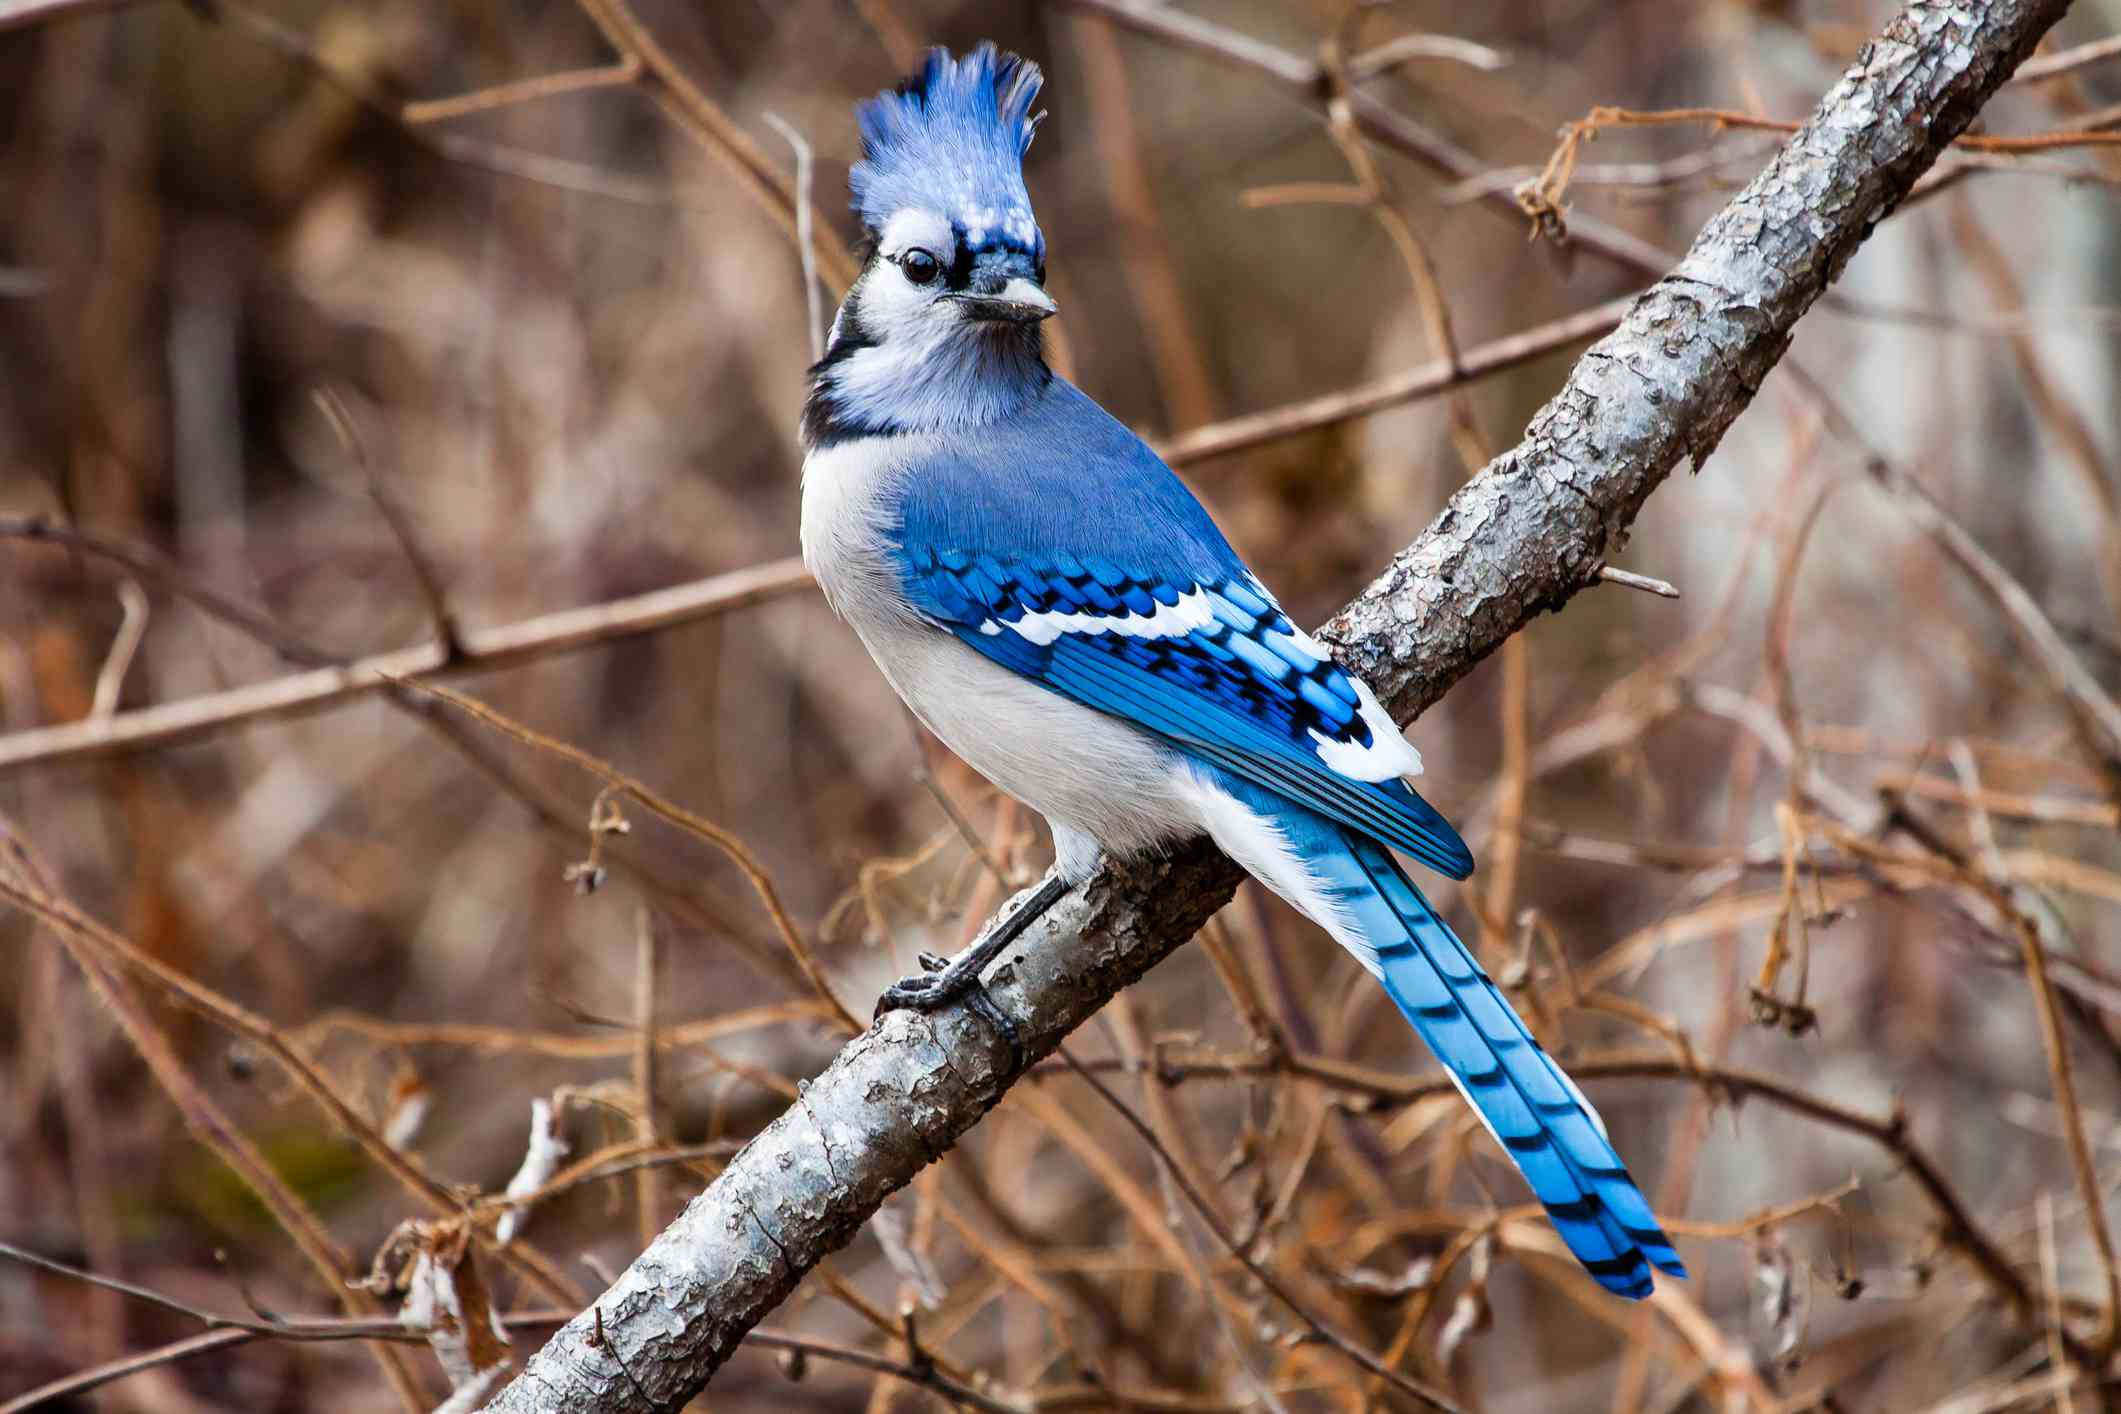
{"points": [[942, 981]]}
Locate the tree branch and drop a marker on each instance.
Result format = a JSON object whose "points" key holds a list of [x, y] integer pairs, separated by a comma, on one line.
{"points": [[479, 650], [1522, 538]]}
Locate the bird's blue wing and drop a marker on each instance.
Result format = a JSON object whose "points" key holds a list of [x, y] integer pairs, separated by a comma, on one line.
{"points": [[1123, 596]]}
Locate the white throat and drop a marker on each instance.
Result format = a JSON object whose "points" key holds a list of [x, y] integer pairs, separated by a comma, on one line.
{"points": [[934, 374]]}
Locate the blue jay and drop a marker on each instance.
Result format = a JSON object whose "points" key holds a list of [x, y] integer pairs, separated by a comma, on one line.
{"points": [[1062, 613]]}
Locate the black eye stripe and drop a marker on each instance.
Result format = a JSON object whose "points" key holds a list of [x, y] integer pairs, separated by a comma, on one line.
{"points": [[961, 263]]}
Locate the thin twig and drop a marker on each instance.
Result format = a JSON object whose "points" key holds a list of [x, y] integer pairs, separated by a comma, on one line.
{"points": [[109, 1372], [2099, 815], [2056, 1045], [1410, 47], [2088, 702], [212, 1320], [806, 249], [700, 118], [1630, 580], [493, 158], [699, 826], [391, 1330], [2061, 415], [613, 1162], [1142, 239], [161, 574], [519, 91], [115, 950], [25, 881], [2002, 324], [1703, 163], [515, 1040], [968, 834], [1319, 1330], [1544, 196], [110, 680], [1423, 380], [223, 1331], [98, 948], [648, 1127], [1731, 1084], [2051, 1278], [172, 579], [1379, 120], [1163, 1118], [924, 1376], [447, 637], [2067, 61]]}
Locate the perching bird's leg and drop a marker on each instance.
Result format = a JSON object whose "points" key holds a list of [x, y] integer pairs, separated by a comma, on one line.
{"points": [[945, 980]]}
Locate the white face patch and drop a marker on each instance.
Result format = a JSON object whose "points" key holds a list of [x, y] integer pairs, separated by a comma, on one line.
{"points": [[915, 227], [921, 369], [900, 313], [1169, 621]]}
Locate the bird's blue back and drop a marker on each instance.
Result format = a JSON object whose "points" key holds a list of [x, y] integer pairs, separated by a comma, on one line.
{"points": [[1062, 476]]}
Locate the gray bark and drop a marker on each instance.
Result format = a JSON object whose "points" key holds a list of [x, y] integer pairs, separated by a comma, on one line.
{"points": [[1521, 538]]}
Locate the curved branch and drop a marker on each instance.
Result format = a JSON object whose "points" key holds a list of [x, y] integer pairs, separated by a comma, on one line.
{"points": [[1523, 537]]}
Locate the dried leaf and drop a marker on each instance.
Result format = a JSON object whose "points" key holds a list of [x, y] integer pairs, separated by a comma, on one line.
{"points": [[446, 1301], [410, 1099], [1372, 1281], [1782, 1303], [541, 1160]]}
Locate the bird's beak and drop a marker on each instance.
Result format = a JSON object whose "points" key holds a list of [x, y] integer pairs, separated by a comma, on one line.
{"points": [[1020, 301]]}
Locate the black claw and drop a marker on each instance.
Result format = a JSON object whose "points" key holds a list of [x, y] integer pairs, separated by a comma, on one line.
{"points": [[933, 990], [909, 994], [943, 980]]}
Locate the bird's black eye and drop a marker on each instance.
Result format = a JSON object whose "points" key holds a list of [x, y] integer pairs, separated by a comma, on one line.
{"points": [[920, 267]]}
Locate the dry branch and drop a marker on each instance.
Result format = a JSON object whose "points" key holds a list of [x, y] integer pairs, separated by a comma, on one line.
{"points": [[482, 650], [1379, 121], [1523, 537]]}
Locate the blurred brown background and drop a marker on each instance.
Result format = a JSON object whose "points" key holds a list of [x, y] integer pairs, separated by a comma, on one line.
{"points": [[570, 340]]}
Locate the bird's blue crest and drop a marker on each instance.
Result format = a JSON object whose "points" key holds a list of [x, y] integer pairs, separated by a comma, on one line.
{"points": [[951, 139]]}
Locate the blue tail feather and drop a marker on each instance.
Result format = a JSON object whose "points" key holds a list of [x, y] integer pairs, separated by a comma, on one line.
{"points": [[1538, 1117], [1509, 1078]]}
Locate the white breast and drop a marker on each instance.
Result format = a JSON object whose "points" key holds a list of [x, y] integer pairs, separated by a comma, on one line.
{"points": [[848, 493], [1089, 774]]}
